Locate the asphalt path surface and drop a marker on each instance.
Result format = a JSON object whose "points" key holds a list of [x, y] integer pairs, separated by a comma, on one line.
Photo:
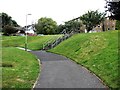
{"points": [[60, 72]]}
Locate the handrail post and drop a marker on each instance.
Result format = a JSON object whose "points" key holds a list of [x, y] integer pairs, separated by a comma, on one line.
{"points": [[43, 47]]}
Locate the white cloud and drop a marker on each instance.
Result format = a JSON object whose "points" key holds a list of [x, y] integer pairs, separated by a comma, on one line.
{"points": [[58, 10]]}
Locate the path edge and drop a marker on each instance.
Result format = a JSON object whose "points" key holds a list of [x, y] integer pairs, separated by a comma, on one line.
{"points": [[90, 71], [38, 74], [39, 67]]}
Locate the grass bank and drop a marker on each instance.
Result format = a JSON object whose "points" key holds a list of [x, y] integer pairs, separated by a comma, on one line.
{"points": [[96, 51], [19, 68], [34, 42]]}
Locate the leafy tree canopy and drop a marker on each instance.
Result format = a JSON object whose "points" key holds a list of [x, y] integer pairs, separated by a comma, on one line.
{"points": [[92, 18], [46, 26], [7, 20], [60, 28], [8, 30], [8, 24], [118, 25], [113, 6], [73, 25]]}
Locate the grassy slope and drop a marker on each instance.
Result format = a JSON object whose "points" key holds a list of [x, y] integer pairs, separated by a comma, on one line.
{"points": [[24, 70], [25, 67], [96, 51], [0, 63], [34, 42]]}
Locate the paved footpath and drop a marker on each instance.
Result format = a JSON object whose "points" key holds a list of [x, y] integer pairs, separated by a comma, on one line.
{"points": [[59, 72]]}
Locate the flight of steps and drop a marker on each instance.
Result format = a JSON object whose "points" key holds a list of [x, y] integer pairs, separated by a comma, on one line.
{"points": [[50, 44]]}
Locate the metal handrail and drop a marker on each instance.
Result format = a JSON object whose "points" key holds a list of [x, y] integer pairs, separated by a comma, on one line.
{"points": [[52, 43]]}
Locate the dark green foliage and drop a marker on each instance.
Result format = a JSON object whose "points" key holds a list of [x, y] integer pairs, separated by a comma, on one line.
{"points": [[60, 28], [117, 25], [46, 26], [7, 20], [15, 23], [69, 26], [8, 24], [8, 30], [113, 7], [92, 18], [72, 26]]}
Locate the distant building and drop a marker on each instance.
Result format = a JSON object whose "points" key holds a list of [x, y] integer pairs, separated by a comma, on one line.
{"points": [[21, 31], [108, 24], [30, 30]]}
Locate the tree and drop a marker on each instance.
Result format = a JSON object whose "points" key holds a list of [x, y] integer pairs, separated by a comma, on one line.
{"points": [[92, 18], [60, 28], [73, 25], [8, 24], [14, 23], [46, 26], [113, 7], [8, 30], [7, 20], [117, 25]]}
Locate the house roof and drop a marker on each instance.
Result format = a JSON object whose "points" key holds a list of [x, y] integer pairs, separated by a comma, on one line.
{"points": [[33, 25], [19, 28]]}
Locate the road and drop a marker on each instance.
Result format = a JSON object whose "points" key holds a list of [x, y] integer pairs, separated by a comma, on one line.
{"points": [[60, 72]]}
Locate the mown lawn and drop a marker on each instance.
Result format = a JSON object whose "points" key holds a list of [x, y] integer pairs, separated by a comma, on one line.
{"points": [[34, 42], [96, 51], [19, 68]]}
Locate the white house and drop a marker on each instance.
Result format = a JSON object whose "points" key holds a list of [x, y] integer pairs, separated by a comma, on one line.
{"points": [[30, 29]]}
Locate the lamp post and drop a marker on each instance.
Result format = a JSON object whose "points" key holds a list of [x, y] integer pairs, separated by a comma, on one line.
{"points": [[26, 33]]}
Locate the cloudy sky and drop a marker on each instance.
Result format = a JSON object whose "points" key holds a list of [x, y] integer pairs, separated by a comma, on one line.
{"points": [[58, 10]]}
